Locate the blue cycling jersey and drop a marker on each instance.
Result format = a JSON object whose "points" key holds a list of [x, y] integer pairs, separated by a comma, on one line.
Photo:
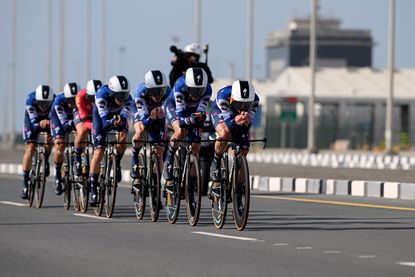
{"points": [[33, 114], [61, 113], [180, 104], [143, 105], [222, 110], [107, 107]]}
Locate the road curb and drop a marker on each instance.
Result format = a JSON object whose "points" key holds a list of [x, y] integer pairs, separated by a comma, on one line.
{"points": [[361, 188], [358, 188]]}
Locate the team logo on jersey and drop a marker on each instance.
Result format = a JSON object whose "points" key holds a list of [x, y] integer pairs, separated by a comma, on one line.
{"points": [[179, 99], [139, 105], [244, 89]]}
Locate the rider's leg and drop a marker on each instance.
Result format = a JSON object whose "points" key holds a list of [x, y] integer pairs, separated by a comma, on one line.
{"points": [[60, 146], [81, 134], [122, 137], [179, 133], [220, 147], [138, 135], [94, 173], [27, 164]]}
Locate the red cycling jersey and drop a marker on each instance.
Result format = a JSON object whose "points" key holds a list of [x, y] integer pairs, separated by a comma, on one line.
{"points": [[85, 109]]}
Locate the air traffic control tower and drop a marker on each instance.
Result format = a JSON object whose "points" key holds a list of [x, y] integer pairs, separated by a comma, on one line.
{"points": [[336, 47]]}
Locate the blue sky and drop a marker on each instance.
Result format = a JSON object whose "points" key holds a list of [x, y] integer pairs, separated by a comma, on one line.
{"points": [[146, 30]]}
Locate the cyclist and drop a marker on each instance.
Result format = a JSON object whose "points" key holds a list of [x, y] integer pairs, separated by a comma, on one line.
{"points": [[185, 59], [62, 117], [147, 114], [232, 115], [185, 110], [38, 104], [111, 111], [83, 118]]}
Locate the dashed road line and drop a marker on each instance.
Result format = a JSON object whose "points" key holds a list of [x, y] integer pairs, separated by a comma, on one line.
{"points": [[280, 244], [332, 252], [225, 236], [13, 203], [304, 247], [407, 263], [92, 216], [367, 256]]}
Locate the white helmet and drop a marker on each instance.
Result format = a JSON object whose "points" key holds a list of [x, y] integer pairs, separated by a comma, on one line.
{"points": [[243, 94], [70, 90], [44, 96], [196, 81], [156, 83], [193, 48], [92, 87], [120, 87]]}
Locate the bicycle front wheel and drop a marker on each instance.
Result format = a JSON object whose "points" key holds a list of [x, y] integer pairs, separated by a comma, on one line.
{"points": [[83, 188], [111, 187], [41, 180], [173, 191], [139, 190], [193, 190], [219, 197], [98, 209], [154, 187], [241, 192]]}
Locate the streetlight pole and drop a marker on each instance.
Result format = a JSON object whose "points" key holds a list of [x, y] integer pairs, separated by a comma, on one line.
{"points": [[12, 107], [49, 53], [249, 42], [88, 41], [61, 44], [103, 39], [391, 66], [198, 23], [311, 133]]}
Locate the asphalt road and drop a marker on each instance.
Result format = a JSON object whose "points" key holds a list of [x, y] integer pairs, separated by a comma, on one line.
{"points": [[285, 236]]}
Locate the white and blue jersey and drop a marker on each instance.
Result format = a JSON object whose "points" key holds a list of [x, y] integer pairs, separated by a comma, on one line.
{"points": [[179, 105], [222, 112], [61, 116], [33, 116], [143, 105], [105, 109]]}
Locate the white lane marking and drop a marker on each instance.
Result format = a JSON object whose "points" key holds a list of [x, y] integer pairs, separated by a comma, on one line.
{"points": [[12, 203], [304, 247], [407, 263], [367, 256], [92, 216], [280, 244], [332, 252], [225, 236]]}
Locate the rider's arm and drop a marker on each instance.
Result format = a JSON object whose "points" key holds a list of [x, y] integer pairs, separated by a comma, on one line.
{"points": [[31, 111], [82, 106], [226, 111], [107, 120], [62, 116], [254, 107], [204, 100], [125, 112]]}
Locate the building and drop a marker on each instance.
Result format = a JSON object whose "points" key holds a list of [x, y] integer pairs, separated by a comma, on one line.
{"points": [[336, 47]]}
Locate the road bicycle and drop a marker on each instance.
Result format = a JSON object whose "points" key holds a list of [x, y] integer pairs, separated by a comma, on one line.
{"points": [[234, 187]]}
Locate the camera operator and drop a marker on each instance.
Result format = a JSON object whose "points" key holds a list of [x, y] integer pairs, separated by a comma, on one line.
{"points": [[187, 58]]}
